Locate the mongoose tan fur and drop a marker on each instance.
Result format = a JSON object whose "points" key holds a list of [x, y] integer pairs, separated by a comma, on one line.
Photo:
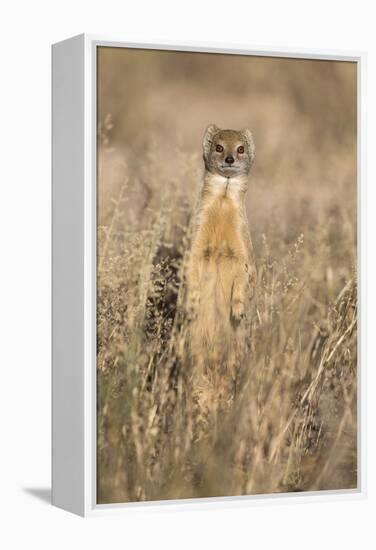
{"points": [[221, 275]]}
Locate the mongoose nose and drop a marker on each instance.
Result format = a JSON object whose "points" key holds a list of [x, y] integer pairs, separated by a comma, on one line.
{"points": [[229, 159]]}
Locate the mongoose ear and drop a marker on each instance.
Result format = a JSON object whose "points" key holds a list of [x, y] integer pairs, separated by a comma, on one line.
{"points": [[251, 144], [210, 132]]}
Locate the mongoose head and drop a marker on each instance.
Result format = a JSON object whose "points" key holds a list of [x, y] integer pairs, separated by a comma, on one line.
{"points": [[228, 153]]}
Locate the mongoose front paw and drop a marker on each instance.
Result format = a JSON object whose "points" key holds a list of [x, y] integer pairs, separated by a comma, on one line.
{"points": [[251, 292], [237, 312]]}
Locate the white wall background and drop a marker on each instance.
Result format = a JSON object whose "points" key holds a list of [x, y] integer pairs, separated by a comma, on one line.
{"points": [[27, 30]]}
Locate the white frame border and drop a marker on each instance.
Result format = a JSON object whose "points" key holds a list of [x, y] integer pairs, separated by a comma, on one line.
{"points": [[91, 508]]}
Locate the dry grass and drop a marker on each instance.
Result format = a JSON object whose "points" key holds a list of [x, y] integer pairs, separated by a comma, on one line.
{"points": [[293, 425]]}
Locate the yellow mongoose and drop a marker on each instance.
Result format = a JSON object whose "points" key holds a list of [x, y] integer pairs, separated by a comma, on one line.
{"points": [[221, 274]]}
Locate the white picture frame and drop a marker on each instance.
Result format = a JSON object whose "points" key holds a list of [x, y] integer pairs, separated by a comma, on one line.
{"points": [[74, 277]]}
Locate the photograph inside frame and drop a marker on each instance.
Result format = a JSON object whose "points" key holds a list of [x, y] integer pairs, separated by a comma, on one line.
{"points": [[226, 275]]}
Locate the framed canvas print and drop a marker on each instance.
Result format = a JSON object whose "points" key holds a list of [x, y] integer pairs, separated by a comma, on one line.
{"points": [[206, 275]]}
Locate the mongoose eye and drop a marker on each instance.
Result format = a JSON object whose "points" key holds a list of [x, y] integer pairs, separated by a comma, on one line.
{"points": [[219, 148], [241, 149]]}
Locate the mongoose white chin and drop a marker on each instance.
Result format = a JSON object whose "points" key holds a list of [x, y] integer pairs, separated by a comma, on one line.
{"points": [[221, 274]]}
